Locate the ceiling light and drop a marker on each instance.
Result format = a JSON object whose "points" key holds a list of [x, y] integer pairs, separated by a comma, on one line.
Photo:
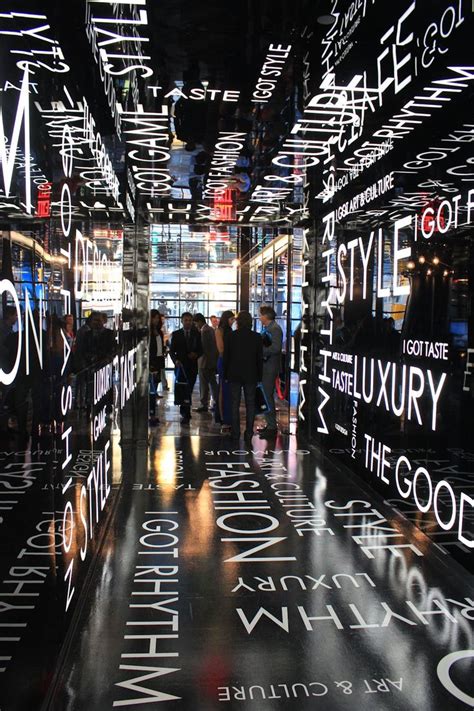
{"points": [[428, 271], [411, 265], [422, 260], [326, 20], [435, 260], [236, 263]]}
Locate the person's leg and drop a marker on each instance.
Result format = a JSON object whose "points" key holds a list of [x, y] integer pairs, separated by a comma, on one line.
{"points": [[204, 387], [214, 388], [249, 393], [268, 382], [152, 391], [235, 394], [164, 382], [192, 377]]}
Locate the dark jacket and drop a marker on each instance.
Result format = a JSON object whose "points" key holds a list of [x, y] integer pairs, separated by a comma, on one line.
{"points": [[179, 349], [243, 357]]}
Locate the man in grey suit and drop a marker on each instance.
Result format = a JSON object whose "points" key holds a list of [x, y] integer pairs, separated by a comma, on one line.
{"points": [[272, 337], [207, 363]]}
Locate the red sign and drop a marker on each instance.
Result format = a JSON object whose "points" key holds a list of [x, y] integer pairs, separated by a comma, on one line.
{"points": [[43, 205], [108, 234], [224, 208]]}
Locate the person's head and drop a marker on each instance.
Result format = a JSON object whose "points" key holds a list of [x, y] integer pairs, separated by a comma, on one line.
{"points": [[199, 321], [214, 321], [267, 314], [244, 320], [104, 318], [96, 322], [154, 319], [10, 315], [69, 322], [187, 320], [390, 324], [227, 319]]}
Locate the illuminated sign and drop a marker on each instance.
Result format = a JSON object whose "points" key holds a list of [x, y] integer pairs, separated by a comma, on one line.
{"points": [[196, 94], [224, 208], [383, 283], [271, 70], [227, 150], [43, 203], [45, 55], [74, 129], [118, 47], [8, 155], [147, 138], [107, 234]]}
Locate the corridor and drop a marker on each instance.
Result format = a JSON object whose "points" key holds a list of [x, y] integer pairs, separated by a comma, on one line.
{"points": [[270, 199]]}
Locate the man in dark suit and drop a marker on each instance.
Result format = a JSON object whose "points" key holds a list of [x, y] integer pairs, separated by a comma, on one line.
{"points": [[207, 363], [185, 349], [243, 368]]}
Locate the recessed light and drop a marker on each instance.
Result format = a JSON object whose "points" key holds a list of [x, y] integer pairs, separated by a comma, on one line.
{"points": [[326, 19]]}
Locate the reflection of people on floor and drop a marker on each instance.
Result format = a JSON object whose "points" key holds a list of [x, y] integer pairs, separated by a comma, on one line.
{"points": [[243, 369], [224, 416], [272, 337], [207, 364], [166, 338], [185, 350], [156, 360]]}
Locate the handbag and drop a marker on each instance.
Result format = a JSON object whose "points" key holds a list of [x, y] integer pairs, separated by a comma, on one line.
{"points": [[261, 401], [182, 396]]}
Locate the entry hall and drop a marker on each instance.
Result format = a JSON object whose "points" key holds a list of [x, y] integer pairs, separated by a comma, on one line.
{"points": [[236, 355]]}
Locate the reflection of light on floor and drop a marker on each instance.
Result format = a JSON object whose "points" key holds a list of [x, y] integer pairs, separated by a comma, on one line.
{"points": [[195, 446], [165, 465], [197, 541]]}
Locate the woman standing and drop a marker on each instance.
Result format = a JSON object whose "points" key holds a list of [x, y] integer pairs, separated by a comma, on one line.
{"points": [[156, 360], [224, 414]]}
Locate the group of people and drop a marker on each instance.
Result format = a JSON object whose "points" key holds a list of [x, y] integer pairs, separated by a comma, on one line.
{"points": [[229, 358]]}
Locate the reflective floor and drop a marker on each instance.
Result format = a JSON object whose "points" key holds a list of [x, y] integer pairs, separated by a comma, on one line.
{"points": [[264, 579]]}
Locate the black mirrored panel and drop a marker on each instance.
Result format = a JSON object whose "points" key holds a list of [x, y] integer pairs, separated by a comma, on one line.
{"points": [[390, 261]]}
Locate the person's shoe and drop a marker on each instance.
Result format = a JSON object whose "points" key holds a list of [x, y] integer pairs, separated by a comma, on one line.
{"points": [[268, 432], [153, 421], [185, 420], [202, 409], [160, 397]]}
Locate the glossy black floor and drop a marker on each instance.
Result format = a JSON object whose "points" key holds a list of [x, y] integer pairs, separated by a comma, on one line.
{"points": [[264, 579]]}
